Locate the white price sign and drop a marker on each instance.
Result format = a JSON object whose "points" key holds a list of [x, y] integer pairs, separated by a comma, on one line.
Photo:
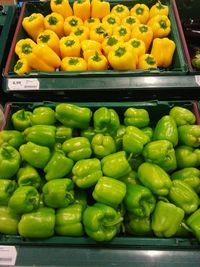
{"points": [[23, 84], [197, 79], [8, 255]]}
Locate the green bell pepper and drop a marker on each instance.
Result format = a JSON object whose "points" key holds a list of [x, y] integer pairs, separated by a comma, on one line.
{"points": [[183, 196], [73, 116], [28, 175], [86, 172], [134, 140], [137, 117], [187, 156], [69, 221], [12, 138], [77, 148], [43, 135], [115, 165], [43, 116], [166, 129], [89, 133], [37, 224], [130, 178], [109, 191], [103, 145], [119, 136], [80, 197], [162, 153], [139, 200], [193, 221], [148, 131], [166, 219], [63, 133], [137, 226], [58, 166], [9, 162], [58, 193], [8, 221], [21, 119], [155, 178], [182, 115], [106, 121], [7, 187], [135, 162], [190, 176], [189, 135], [36, 155], [101, 222], [25, 199]]}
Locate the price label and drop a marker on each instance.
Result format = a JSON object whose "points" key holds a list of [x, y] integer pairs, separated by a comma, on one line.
{"points": [[197, 79], [23, 84], [8, 2], [8, 255]]}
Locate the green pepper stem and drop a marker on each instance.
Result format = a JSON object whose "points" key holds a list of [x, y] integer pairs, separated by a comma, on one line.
{"points": [[130, 156], [186, 227], [116, 221], [163, 199]]}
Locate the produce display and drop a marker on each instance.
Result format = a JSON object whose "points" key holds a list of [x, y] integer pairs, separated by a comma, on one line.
{"points": [[96, 35], [100, 172]]}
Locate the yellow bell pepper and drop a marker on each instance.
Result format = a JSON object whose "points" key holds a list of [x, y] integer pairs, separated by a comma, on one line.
{"points": [[91, 22], [130, 21], [161, 26], [158, 9], [70, 46], [73, 64], [141, 11], [111, 21], [55, 22], [51, 39], [99, 9], [22, 67], [97, 62], [123, 32], [122, 57], [81, 32], [82, 8], [144, 33], [99, 32], [24, 47], [163, 51], [62, 7], [34, 25], [90, 45], [146, 61], [71, 23], [110, 43], [121, 11], [138, 46], [89, 53]]}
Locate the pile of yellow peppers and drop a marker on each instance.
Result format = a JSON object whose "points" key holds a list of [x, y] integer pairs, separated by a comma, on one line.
{"points": [[95, 36]]}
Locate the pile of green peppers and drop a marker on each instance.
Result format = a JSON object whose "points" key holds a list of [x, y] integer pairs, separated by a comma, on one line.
{"points": [[74, 171]]}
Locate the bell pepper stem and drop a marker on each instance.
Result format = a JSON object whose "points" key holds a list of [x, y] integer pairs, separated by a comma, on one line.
{"points": [[69, 196], [186, 227], [163, 199], [130, 156], [114, 222]]}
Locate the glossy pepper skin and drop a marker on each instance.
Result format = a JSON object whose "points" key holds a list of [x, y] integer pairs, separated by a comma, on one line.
{"points": [[22, 67], [77, 148], [194, 223], [24, 47], [158, 9], [183, 196], [36, 155], [130, 21], [137, 117], [89, 133], [140, 11], [62, 7], [106, 120], [189, 135], [7, 187], [162, 153], [111, 20], [101, 222], [73, 64], [9, 162], [138, 46], [120, 11], [34, 25], [118, 136], [21, 119], [43, 116], [58, 166], [187, 156], [81, 32], [70, 46], [86, 172], [139, 200], [25, 199], [137, 226], [82, 9], [99, 9], [166, 129], [37, 224], [146, 62], [182, 116], [99, 32], [8, 221], [190, 176], [109, 191], [161, 26], [166, 219], [71, 23], [166, 48], [134, 140], [69, 221], [97, 62], [28, 175], [73, 116], [63, 133], [103, 145], [109, 43], [123, 32], [58, 193], [130, 178], [144, 33], [12, 138], [91, 22], [55, 22], [115, 165], [155, 178]]}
